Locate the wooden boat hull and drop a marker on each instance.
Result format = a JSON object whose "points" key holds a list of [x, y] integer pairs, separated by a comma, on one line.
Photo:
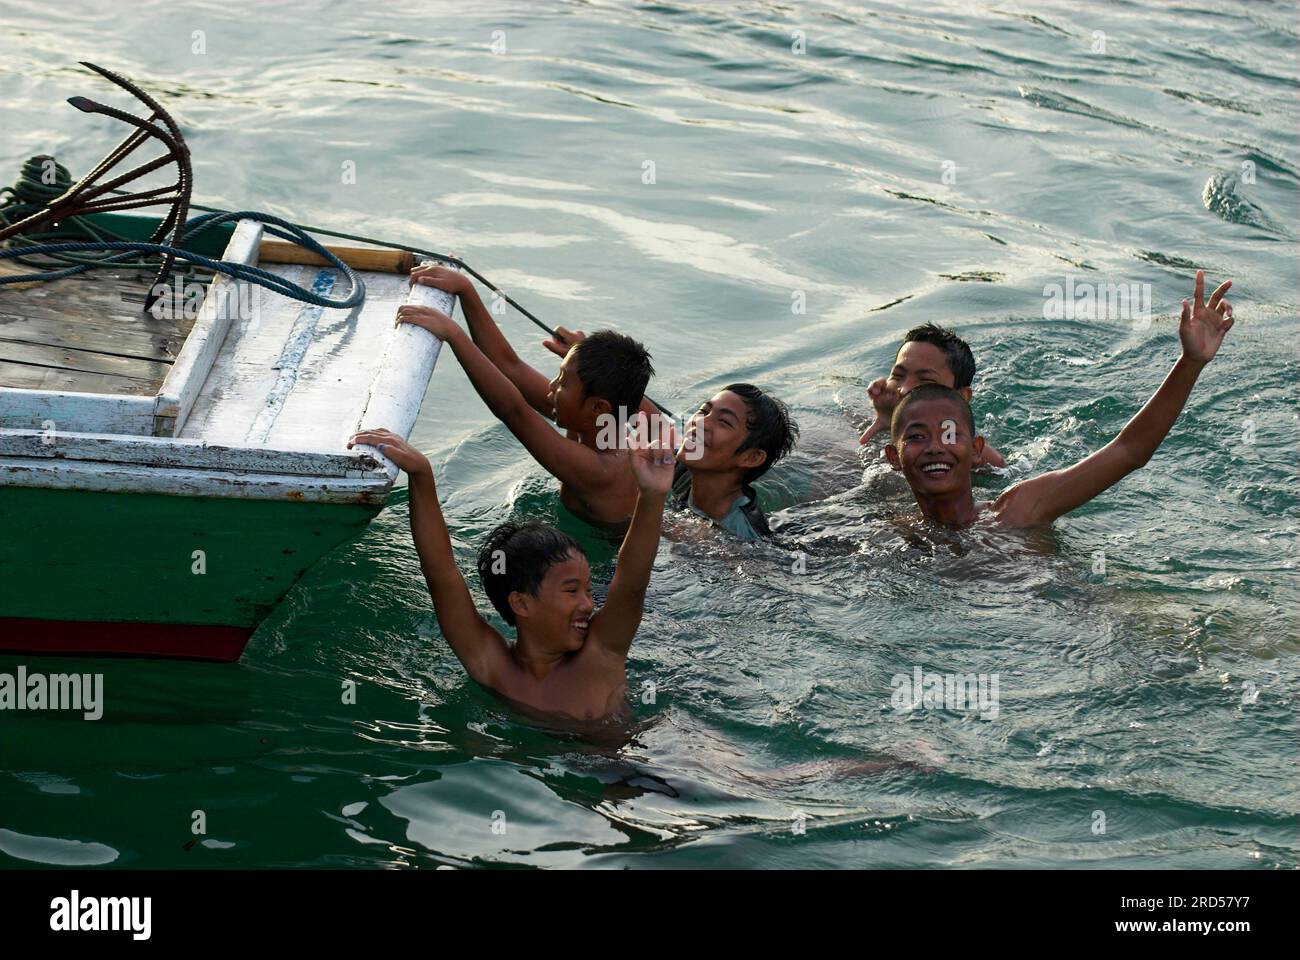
{"points": [[143, 574], [167, 517]]}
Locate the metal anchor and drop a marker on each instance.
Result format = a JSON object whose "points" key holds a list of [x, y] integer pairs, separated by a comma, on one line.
{"points": [[87, 195]]}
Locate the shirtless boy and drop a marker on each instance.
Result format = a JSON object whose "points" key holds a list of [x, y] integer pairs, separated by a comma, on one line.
{"points": [[569, 659], [935, 446]]}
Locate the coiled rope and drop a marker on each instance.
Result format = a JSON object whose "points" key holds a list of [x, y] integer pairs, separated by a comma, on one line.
{"points": [[193, 227]]}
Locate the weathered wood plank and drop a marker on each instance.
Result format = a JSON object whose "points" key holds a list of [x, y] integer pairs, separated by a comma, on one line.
{"points": [[96, 293], [58, 380], [93, 333], [176, 452], [22, 377], [371, 259], [81, 360], [80, 412], [84, 331], [183, 384]]}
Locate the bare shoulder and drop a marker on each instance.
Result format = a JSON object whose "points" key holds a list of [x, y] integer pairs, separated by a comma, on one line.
{"points": [[1009, 505], [497, 668], [1017, 505], [596, 657], [610, 470]]}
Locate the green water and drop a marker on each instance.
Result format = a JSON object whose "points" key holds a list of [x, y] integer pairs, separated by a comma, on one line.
{"points": [[1160, 693]]}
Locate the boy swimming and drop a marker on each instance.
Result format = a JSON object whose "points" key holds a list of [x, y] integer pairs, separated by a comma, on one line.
{"points": [[567, 660], [597, 392], [928, 354], [934, 444], [733, 440]]}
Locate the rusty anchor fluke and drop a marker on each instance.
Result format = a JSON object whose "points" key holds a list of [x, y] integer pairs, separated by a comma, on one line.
{"points": [[89, 195]]}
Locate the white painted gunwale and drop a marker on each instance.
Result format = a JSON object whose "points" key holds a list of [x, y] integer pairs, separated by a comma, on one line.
{"points": [[194, 362], [184, 453], [398, 390], [92, 476]]}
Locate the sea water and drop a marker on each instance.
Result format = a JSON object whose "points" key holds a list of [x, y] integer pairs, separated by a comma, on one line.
{"points": [[771, 194]]}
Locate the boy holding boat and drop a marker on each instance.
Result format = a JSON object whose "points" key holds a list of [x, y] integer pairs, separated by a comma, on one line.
{"points": [[594, 396], [928, 354], [569, 659], [732, 440], [934, 444]]}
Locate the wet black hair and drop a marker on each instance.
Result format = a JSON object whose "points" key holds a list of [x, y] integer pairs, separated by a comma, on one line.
{"points": [[615, 368], [528, 550], [929, 391], [770, 427], [955, 350]]}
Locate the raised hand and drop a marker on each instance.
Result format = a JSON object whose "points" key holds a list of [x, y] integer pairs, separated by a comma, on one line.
{"points": [[563, 341], [443, 278], [435, 321], [884, 397], [652, 446], [395, 449], [1202, 325]]}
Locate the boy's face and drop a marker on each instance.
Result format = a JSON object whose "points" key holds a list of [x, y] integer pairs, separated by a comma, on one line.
{"points": [[935, 449], [714, 434], [559, 616], [566, 394], [917, 363]]}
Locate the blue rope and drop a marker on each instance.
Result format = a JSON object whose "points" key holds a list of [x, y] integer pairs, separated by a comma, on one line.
{"points": [[193, 227]]}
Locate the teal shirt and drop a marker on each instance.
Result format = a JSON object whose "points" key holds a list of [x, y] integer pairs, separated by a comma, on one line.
{"points": [[738, 521]]}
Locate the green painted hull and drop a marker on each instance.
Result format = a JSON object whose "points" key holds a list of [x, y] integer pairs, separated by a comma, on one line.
{"points": [[75, 556]]}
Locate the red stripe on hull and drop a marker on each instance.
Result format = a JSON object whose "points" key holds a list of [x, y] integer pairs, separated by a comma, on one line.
{"points": [[189, 641]]}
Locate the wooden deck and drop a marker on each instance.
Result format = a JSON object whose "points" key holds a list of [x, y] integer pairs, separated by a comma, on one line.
{"points": [[87, 334]]}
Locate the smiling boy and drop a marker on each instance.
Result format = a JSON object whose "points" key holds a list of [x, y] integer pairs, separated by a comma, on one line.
{"points": [[734, 439], [928, 354], [731, 441], [601, 383], [935, 445], [569, 659]]}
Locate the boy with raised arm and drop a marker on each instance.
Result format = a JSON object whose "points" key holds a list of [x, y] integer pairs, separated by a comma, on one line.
{"points": [[597, 392], [935, 446], [731, 441], [734, 438], [567, 660], [928, 354]]}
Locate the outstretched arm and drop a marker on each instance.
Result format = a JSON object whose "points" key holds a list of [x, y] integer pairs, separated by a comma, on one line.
{"points": [[653, 454], [1044, 498], [566, 460], [533, 384], [989, 457], [476, 644]]}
